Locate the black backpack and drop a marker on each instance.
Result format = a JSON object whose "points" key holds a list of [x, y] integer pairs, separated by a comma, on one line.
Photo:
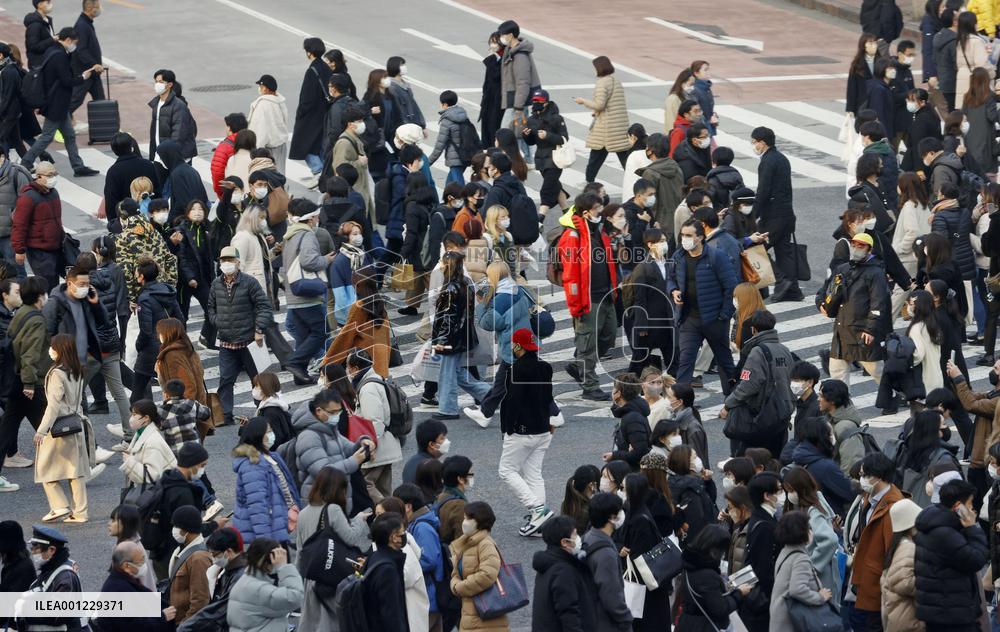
{"points": [[867, 439], [34, 92], [400, 410], [899, 351], [349, 604], [9, 379], [383, 200], [469, 144], [969, 186], [523, 220], [155, 526]]}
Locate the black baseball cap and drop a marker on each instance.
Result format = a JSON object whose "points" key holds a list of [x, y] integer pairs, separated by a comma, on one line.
{"points": [[268, 82]]}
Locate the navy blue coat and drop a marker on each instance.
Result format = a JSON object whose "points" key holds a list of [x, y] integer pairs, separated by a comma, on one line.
{"points": [[834, 484], [260, 510], [715, 278], [774, 187], [88, 48], [397, 174], [880, 100]]}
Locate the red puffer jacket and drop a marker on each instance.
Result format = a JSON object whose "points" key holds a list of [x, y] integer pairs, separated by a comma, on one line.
{"points": [[574, 252], [220, 158], [37, 221]]}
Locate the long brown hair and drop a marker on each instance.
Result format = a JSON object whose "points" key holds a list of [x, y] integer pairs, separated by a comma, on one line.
{"points": [[858, 64], [800, 480], [369, 297], [172, 330], [911, 189], [657, 480], [749, 300], [373, 93], [67, 358], [678, 87], [330, 488], [979, 89]]}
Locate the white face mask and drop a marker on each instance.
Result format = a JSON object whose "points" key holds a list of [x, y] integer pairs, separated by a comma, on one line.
{"points": [[445, 446], [858, 254], [605, 485], [746, 210], [359, 128], [53, 354], [220, 561], [798, 388], [890, 73], [504, 224], [37, 560], [908, 60], [697, 467], [728, 483], [663, 247], [140, 569], [385, 82], [965, 127], [51, 182], [178, 535], [403, 70], [160, 87], [793, 498], [674, 441], [621, 494], [781, 499], [199, 472], [71, 48], [688, 243], [260, 192], [929, 488], [650, 202], [81, 292], [703, 143], [578, 547], [357, 240], [262, 226], [227, 267], [457, 203], [868, 224], [993, 471], [160, 217], [619, 519], [594, 220], [469, 526], [470, 482], [269, 439], [619, 223], [257, 393], [912, 107], [505, 40], [867, 486], [197, 215], [135, 422]]}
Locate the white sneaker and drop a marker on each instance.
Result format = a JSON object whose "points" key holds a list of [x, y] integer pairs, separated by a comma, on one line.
{"points": [[213, 510], [311, 182], [103, 455], [81, 127], [477, 416], [538, 517], [96, 471], [7, 486], [17, 461], [116, 430], [121, 446]]}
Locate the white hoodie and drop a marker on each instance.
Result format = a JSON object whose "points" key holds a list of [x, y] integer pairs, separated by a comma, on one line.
{"points": [[268, 119]]}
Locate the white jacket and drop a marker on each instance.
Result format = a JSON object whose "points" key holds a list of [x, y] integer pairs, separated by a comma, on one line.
{"points": [[635, 161], [414, 589], [239, 166], [251, 255], [268, 119], [983, 225], [928, 356], [148, 449], [373, 405], [912, 223]]}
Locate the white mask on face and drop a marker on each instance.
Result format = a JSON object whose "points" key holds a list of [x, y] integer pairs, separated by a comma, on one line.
{"points": [[798, 388], [269, 439], [912, 107], [605, 485], [199, 472], [688, 243], [867, 485], [993, 471], [929, 488], [457, 203], [703, 143], [178, 535], [578, 547], [160, 87], [160, 217], [505, 40], [781, 499], [51, 181], [227, 267], [403, 70], [594, 220], [470, 482], [81, 292], [359, 128], [619, 519], [965, 127], [385, 82], [357, 240], [220, 561], [53, 354], [135, 422], [262, 226], [445, 446], [908, 60], [868, 224], [793, 498], [504, 224], [674, 441], [71, 48], [469, 526], [260, 192], [619, 223], [621, 494], [37, 560], [257, 393], [890, 73], [197, 215], [728, 483], [650, 202], [746, 210], [697, 467]]}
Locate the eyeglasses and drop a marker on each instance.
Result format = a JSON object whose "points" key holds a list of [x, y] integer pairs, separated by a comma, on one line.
{"points": [[332, 412]]}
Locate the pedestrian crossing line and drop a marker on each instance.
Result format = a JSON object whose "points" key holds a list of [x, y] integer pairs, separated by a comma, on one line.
{"points": [[783, 130], [78, 197], [810, 111]]}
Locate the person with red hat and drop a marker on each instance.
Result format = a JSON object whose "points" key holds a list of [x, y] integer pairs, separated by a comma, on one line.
{"points": [[528, 418]]}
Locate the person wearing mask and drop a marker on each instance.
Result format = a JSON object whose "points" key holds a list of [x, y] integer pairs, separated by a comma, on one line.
{"points": [[736, 515], [383, 572], [795, 577], [13, 179], [373, 404], [268, 591], [775, 215], [235, 122], [691, 488], [57, 573], [179, 490], [518, 78], [351, 258], [655, 468], [878, 496], [422, 526], [689, 113], [179, 370], [148, 456], [631, 435], [307, 133], [710, 602], [432, 444], [268, 120], [901, 85], [273, 408], [667, 179], [128, 564], [761, 550], [449, 138], [340, 98], [924, 451], [36, 226], [87, 55], [490, 108], [229, 563], [450, 504], [943, 166], [419, 201], [405, 108], [815, 452], [945, 53], [804, 383], [693, 154], [980, 109], [39, 33], [306, 312], [188, 565], [605, 515], [655, 395], [702, 286], [18, 572], [680, 399], [899, 590], [949, 219], [156, 302], [590, 281], [885, 183], [803, 495], [546, 130], [609, 130], [580, 488], [970, 53], [880, 98], [950, 550], [613, 477], [266, 495], [637, 213], [349, 148], [925, 124], [476, 565], [860, 72], [171, 120], [140, 240], [563, 597]]}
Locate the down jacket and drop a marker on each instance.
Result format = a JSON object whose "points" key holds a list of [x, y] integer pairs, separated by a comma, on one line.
{"points": [[449, 137], [508, 311], [109, 281], [476, 568], [140, 239], [319, 445], [13, 179], [238, 316], [716, 279], [575, 253], [261, 510], [899, 591], [609, 129], [157, 301], [175, 123], [37, 221], [955, 223], [556, 134], [565, 595], [518, 75], [262, 603], [632, 432], [947, 560], [59, 318]]}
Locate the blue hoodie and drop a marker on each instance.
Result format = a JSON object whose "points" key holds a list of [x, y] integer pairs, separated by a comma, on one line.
{"points": [[424, 529], [834, 484], [505, 313]]}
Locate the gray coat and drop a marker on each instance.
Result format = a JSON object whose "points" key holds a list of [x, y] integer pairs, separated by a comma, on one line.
{"points": [[946, 168], [758, 381], [613, 614], [256, 604], [301, 242], [407, 110], [518, 75], [322, 446], [449, 136], [13, 178], [945, 42], [239, 316], [981, 141], [793, 577]]}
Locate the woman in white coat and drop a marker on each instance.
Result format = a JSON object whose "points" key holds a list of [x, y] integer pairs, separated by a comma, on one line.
{"points": [[148, 454], [414, 588], [913, 221], [249, 239], [970, 53], [269, 590], [68, 457], [925, 331], [239, 164]]}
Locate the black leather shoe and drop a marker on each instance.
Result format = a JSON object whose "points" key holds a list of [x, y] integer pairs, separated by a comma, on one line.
{"points": [[596, 395], [300, 377], [84, 172], [574, 372], [98, 408]]}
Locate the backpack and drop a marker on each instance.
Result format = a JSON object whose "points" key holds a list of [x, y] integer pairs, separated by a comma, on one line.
{"points": [[287, 453], [899, 351], [400, 410], [349, 604], [34, 92], [469, 144], [867, 439], [429, 252], [155, 526], [554, 267], [436, 508], [383, 200], [523, 220], [969, 186]]}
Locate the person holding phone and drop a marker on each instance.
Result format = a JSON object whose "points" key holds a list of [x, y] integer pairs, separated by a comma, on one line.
{"points": [[268, 591]]}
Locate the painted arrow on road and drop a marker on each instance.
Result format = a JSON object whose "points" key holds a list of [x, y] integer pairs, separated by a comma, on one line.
{"points": [[721, 40], [458, 49]]}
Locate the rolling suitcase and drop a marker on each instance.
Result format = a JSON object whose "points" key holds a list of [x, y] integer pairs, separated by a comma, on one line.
{"points": [[103, 117]]}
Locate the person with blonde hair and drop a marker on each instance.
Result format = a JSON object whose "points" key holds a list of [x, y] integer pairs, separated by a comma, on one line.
{"points": [[498, 238], [141, 190]]}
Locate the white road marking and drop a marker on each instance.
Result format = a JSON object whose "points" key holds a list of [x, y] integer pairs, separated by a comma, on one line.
{"points": [[811, 111], [457, 49], [782, 129], [720, 40]]}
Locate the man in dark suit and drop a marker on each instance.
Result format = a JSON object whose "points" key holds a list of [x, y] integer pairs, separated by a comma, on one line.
{"points": [[59, 82], [87, 55], [310, 115], [773, 209]]}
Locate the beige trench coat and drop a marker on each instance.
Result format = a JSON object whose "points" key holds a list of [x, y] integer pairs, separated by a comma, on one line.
{"points": [[69, 457], [610, 127]]}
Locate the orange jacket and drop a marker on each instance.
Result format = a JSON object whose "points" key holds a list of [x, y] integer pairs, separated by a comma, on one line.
{"points": [[679, 133], [574, 253], [869, 555], [360, 333]]}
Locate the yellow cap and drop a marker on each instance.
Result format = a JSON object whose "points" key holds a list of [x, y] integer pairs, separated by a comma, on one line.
{"points": [[863, 238]]}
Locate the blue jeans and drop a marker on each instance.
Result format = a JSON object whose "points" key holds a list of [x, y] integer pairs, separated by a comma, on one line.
{"points": [[315, 163], [690, 335], [508, 118], [454, 376], [309, 334], [7, 254], [979, 300], [455, 174], [231, 361], [866, 620]]}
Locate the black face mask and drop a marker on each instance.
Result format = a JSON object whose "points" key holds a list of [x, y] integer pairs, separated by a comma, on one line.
{"points": [[946, 435], [479, 203], [538, 108], [994, 378], [606, 199]]}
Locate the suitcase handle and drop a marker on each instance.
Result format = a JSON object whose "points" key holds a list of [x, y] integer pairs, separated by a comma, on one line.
{"points": [[107, 78]]}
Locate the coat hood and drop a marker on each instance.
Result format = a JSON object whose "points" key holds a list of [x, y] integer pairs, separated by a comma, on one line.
{"points": [[163, 293], [274, 401], [769, 335], [806, 454], [879, 147], [526, 47], [173, 478], [305, 419], [273, 98], [664, 167], [550, 557], [848, 413], [169, 152], [567, 219], [944, 37], [950, 160], [33, 18], [936, 516], [696, 560], [508, 182], [455, 114], [296, 228], [638, 405], [424, 196], [244, 451], [427, 516]]}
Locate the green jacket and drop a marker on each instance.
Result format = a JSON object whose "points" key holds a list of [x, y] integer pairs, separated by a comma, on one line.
{"points": [[31, 346]]}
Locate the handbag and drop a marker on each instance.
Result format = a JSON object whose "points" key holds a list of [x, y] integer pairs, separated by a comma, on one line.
{"points": [[507, 594], [426, 366], [809, 618], [302, 282], [395, 357], [635, 590], [70, 250], [802, 271], [659, 565], [277, 205], [993, 280], [563, 156], [542, 323], [756, 257], [324, 558], [218, 417], [131, 493], [66, 425], [403, 277], [358, 427]]}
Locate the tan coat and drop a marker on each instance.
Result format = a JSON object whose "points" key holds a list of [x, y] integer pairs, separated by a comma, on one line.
{"points": [[175, 362], [899, 591], [973, 56], [610, 127], [360, 333], [253, 256], [147, 449], [987, 429], [189, 590], [349, 148], [69, 457], [480, 561]]}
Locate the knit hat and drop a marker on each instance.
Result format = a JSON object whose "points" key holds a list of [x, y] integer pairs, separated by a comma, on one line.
{"points": [[191, 454], [128, 207], [11, 537], [939, 481], [187, 518], [903, 514], [653, 461], [410, 133]]}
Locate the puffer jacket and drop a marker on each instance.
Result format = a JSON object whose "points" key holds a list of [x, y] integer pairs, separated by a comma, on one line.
{"points": [[564, 596], [423, 528], [764, 380], [556, 134], [716, 279], [109, 281], [319, 445], [449, 137], [701, 92], [37, 221], [38, 32], [475, 569], [722, 181], [632, 432], [262, 603], [834, 484], [947, 559], [13, 178], [139, 239], [397, 209], [946, 168], [899, 590], [692, 160], [518, 75], [508, 311], [240, 315], [261, 510], [689, 491], [955, 223], [452, 323], [575, 252], [609, 129], [865, 309], [176, 123], [156, 302]]}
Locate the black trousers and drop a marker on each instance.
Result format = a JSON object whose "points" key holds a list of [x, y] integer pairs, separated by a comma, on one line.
{"points": [[596, 161], [779, 237], [91, 86], [201, 295], [19, 407]]}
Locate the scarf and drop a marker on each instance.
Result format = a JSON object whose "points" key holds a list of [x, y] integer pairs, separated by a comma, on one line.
{"points": [[355, 255]]}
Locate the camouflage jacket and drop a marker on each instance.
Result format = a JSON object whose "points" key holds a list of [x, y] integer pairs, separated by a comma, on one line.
{"points": [[140, 239]]}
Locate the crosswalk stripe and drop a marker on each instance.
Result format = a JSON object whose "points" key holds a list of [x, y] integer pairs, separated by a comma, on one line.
{"points": [[811, 111], [782, 129]]}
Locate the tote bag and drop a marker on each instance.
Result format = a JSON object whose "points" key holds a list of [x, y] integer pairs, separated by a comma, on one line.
{"points": [[756, 257], [507, 594], [635, 590]]}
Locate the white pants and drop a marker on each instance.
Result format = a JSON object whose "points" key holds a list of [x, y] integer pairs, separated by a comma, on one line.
{"points": [[521, 466], [841, 370]]}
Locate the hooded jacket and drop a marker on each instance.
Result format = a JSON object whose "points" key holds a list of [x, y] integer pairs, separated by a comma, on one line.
{"points": [[183, 185], [268, 119], [761, 380], [946, 168], [692, 160], [678, 133], [702, 585], [13, 179], [722, 181], [611, 612], [948, 558], [955, 223], [319, 445], [262, 603], [423, 527], [449, 137], [260, 510], [177, 492], [865, 309], [503, 191], [563, 600], [508, 311], [38, 37], [832, 481], [59, 318], [156, 302], [175, 123], [574, 251], [632, 433], [243, 313], [518, 75], [945, 60], [668, 178], [37, 221]]}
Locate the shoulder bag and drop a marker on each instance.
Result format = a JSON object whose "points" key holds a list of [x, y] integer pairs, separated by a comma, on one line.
{"points": [[507, 594], [809, 618]]}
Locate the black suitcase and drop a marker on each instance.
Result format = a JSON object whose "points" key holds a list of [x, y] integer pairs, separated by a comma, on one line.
{"points": [[103, 117]]}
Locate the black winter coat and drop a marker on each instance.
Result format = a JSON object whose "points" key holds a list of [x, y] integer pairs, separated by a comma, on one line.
{"points": [[88, 48], [195, 255], [453, 318], [884, 221], [639, 534], [118, 180], [490, 110], [177, 492], [883, 252], [695, 505], [417, 217], [901, 86], [526, 406], [653, 310], [880, 101], [564, 595], [632, 432], [156, 301], [947, 560], [555, 134], [865, 309], [109, 281], [38, 37], [384, 592], [503, 190], [59, 83], [955, 223], [857, 89], [310, 113], [176, 123], [119, 582], [722, 181], [882, 19], [212, 618], [774, 187], [701, 577], [62, 581], [692, 160], [17, 576], [182, 184], [240, 315], [59, 318], [761, 553], [10, 97], [662, 512], [925, 124]]}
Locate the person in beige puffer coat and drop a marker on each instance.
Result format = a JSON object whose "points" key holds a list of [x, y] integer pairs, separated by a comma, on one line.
{"points": [[609, 131], [476, 566], [899, 587]]}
